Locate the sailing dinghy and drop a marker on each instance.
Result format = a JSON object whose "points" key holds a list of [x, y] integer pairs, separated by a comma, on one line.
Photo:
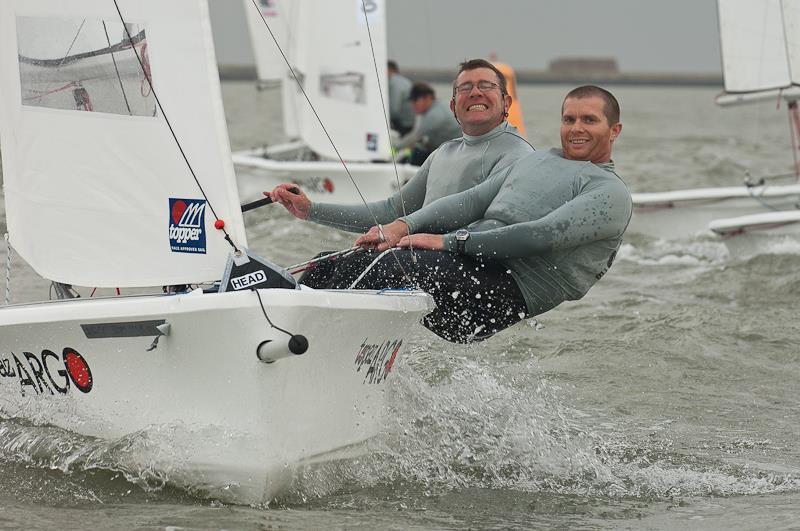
{"points": [[270, 66], [340, 63], [761, 61], [100, 193]]}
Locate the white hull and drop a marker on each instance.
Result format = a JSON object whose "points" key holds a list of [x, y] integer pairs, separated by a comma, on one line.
{"points": [[323, 181], [685, 213], [205, 375]]}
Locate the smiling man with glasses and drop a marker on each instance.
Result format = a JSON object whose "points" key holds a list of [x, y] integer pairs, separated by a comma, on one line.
{"points": [[488, 144], [480, 100]]}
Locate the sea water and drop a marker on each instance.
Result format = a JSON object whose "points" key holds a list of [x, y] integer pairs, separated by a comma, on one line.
{"points": [[667, 398]]}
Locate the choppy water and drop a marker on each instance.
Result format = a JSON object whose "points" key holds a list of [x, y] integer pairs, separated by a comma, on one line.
{"points": [[667, 398]]}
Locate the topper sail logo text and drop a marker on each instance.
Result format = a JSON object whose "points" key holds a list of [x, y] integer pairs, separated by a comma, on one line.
{"points": [[187, 227]]}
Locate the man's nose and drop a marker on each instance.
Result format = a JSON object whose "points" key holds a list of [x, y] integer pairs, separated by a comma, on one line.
{"points": [[577, 125]]}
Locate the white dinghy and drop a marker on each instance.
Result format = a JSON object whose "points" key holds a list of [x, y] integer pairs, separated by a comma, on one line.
{"points": [[761, 61], [99, 192], [339, 57]]}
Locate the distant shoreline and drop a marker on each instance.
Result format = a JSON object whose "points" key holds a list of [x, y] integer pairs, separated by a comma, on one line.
{"points": [[248, 73]]}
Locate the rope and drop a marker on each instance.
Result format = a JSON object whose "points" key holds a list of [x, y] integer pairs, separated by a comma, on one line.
{"points": [[116, 69], [264, 311], [319, 120], [302, 266], [9, 251], [372, 264], [389, 136], [169, 125]]}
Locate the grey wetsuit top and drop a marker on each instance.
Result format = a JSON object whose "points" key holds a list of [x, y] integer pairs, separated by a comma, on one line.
{"points": [[455, 166], [556, 223]]}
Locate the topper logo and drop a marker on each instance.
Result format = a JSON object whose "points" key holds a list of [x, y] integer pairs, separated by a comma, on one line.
{"points": [[372, 142], [187, 225]]}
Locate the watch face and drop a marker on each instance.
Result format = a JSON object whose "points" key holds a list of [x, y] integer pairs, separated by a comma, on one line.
{"points": [[462, 234]]}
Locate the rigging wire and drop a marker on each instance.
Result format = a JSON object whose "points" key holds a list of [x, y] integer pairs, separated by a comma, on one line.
{"points": [[319, 120], [383, 105], [116, 69], [73, 42], [388, 135], [9, 250], [171, 130], [313, 109]]}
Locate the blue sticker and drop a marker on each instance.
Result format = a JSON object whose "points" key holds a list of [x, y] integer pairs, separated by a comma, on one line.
{"points": [[372, 142], [187, 226]]}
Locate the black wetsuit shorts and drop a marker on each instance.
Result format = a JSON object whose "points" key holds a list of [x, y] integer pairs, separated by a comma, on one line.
{"points": [[474, 299]]}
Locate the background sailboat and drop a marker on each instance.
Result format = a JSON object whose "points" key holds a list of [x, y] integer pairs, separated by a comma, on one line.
{"points": [[100, 195], [341, 64], [270, 66], [761, 61]]}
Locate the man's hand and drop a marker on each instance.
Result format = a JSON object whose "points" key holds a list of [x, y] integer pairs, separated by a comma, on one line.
{"points": [[392, 233], [292, 198], [434, 242]]}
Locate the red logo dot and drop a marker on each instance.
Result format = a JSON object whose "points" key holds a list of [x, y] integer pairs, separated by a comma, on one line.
{"points": [[78, 370]]}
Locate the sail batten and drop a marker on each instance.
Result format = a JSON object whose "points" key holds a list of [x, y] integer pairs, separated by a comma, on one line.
{"points": [[97, 192]]}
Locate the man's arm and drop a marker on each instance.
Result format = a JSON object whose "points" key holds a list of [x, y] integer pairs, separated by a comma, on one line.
{"points": [[412, 137], [359, 218], [457, 210], [602, 210]]}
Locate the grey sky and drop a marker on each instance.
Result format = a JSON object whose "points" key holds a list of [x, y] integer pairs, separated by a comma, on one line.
{"points": [[645, 36]]}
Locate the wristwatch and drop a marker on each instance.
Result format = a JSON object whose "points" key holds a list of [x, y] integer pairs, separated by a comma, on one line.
{"points": [[462, 235]]}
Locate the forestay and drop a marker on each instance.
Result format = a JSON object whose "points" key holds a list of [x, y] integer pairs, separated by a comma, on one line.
{"points": [[97, 191], [336, 65], [760, 42]]}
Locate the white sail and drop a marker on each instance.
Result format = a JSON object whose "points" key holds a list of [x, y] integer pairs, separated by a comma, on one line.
{"points": [[334, 58], [760, 44], [270, 65], [97, 192]]}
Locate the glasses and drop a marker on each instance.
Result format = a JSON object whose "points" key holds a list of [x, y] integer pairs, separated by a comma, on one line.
{"points": [[483, 86]]}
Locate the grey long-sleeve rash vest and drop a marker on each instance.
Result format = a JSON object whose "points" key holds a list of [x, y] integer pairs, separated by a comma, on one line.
{"points": [[455, 166], [556, 224]]}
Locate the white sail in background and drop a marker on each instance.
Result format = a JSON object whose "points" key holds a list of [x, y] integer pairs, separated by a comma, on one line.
{"points": [[97, 192], [760, 45], [334, 58], [270, 65]]}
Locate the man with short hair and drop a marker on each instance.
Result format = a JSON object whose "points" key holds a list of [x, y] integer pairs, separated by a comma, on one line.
{"points": [[401, 114], [480, 104], [533, 235], [435, 125]]}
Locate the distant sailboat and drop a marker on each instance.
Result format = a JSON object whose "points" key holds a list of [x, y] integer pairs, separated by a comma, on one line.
{"points": [[270, 66], [760, 42], [341, 64]]}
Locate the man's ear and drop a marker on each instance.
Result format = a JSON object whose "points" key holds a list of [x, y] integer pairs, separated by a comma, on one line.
{"points": [[507, 100], [616, 129]]}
